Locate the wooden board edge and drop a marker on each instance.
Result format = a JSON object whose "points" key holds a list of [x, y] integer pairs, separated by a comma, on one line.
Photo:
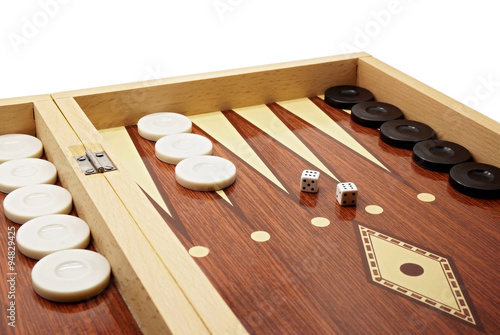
{"points": [[204, 76], [17, 119], [17, 114], [222, 91], [135, 265], [451, 120], [80, 124], [26, 99]]}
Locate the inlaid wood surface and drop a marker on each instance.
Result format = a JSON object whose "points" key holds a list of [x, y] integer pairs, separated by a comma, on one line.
{"points": [[105, 314], [310, 278]]}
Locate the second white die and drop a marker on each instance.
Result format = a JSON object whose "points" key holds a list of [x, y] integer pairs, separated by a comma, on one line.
{"points": [[309, 181], [347, 194]]}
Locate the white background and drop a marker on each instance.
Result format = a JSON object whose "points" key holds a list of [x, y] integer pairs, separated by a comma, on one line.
{"points": [[48, 46]]}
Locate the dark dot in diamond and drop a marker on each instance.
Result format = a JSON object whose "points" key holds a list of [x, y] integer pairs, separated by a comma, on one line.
{"points": [[411, 269]]}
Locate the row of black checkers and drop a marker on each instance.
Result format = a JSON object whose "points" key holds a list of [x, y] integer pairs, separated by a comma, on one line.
{"points": [[474, 179]]}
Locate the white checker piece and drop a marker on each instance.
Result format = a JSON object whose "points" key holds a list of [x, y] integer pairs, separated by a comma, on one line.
{"points": [[174, 148], [32, 201], [15, 146], [71, 275], [154, 126], [26, 171], [47, 234], [205, 173]]}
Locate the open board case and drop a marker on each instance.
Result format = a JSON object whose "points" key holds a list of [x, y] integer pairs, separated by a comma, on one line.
{"points": [[261, 256]]}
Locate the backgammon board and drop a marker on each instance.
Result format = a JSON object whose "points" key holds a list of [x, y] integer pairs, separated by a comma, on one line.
{"points": [[413, 256]]}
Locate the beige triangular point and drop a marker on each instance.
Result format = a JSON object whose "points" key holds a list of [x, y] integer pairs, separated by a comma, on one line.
{"points": [[309, 112], [121, 144], [218, 126], [224, 196], [262, 117]]}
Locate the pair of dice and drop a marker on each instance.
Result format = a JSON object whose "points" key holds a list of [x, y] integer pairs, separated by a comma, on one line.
{"points": [[347, 193]]}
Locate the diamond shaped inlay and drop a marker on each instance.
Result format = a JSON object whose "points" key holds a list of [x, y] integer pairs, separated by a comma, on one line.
{"points": [[415, 273]]}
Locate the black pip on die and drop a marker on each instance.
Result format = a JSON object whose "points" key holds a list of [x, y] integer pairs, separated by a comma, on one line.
{"points": [[309, 181], [347, 194]]}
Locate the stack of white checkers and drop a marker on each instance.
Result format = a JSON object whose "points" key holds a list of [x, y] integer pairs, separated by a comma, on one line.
{"points": [[195, 168], [65, 272]]}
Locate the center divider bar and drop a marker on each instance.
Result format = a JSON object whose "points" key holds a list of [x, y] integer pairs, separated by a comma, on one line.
{"points": [[153, 295]]}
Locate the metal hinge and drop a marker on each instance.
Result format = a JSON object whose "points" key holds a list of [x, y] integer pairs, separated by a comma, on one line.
{"points": [[95, 162]]}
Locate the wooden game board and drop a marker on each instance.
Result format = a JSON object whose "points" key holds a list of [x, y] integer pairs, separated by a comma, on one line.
{"points": [[262, 257]]}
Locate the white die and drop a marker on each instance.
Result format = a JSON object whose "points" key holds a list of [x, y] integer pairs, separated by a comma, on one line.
{"points": [[309, 181], [347, 194]]}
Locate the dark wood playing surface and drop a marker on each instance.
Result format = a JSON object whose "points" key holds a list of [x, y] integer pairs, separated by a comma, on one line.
{"points": [[105, 314], [314, 280]]}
